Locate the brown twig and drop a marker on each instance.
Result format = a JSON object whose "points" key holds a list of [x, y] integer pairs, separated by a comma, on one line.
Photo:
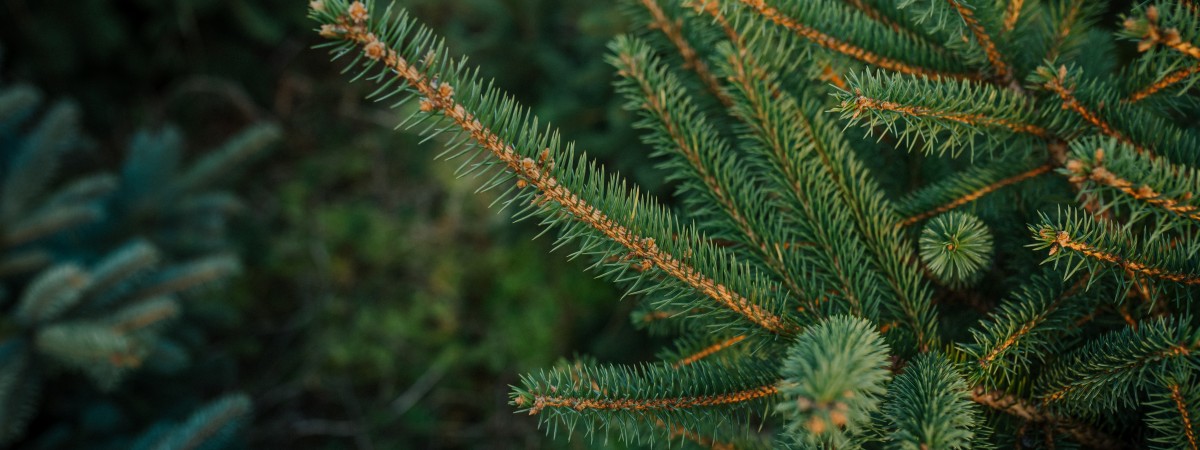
{"points": [[843, 47], [975, 195]]}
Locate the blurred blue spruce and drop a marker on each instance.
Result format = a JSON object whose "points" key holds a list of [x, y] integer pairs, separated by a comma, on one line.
{"points": [[94, 269]]}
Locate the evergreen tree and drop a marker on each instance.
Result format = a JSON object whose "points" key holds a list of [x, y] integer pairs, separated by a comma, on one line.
{"points": [[902, 224], [93, 272]]}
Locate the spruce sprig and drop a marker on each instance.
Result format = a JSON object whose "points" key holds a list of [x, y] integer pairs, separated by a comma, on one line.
{"points": [[932, 407], [1167, 36], [1133, 183], [1086, 243], [1174, 405], [1105, 374], [568, 192], [833, 380], [957, 248], [940, 116]]}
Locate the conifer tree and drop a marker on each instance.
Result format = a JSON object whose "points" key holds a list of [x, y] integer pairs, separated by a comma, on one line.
{"points": [[901, 224], [94, 271]]}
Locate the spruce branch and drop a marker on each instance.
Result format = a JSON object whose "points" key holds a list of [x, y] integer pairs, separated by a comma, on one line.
{"points": [[712, 8], [709, 351], [32, 168], [875, 14], [1098, 244], [1026, 410], [1012, 13], [408, 55], [699, 396], [710, 173], [1036, 320], [1134, 180], [1185, 414], [842, 47], [187, 275], [943, 115], [984, 38], [862, 103], [1107, 373], [693, 356], [85, 190], [1174, 404], [133, 259], [143, 315], [930, 406], [961, 189], [1148, 29], [1168, 81], [834, 378], [1171, 27], [541, 402], [692, 60], [892, 15], [47, 222], [97, 349], [833, 164], [214, 425], [790, 156], [1058, 83], [52, 293], [1099, 105], [1069, 23]]}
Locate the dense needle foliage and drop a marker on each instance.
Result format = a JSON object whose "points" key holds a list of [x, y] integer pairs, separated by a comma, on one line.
{"points": [[1046, 303]]}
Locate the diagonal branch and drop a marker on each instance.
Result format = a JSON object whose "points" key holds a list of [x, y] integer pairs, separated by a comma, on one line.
{"points": [[878, 16], [975, 195], [1027, 327], [1017, 407], [1063, 29], [861, 102], [1153, 35], [1062, 240], [709, 351], [984, 40], [673, 125], [1012, 13], [1069, 101], [1171, 79], [1184, 416], [672, 29], [439, 97], [1143, 193], [845, 48]]}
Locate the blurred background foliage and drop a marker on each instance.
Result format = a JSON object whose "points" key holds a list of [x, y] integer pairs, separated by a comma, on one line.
{"points": [[382, 304]]}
